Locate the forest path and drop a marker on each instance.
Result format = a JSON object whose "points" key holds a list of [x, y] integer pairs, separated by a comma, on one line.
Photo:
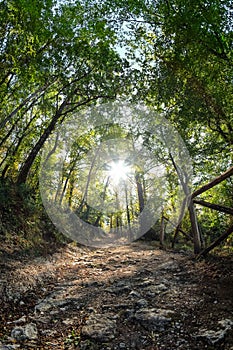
{"points": [[129, 297]]}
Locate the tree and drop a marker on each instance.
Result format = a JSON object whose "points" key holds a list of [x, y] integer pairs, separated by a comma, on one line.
{"points": [[182, 58], [48, 73]]}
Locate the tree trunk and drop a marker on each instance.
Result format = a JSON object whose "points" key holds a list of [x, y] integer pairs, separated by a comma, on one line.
{"points": [[195, 229], [11, 153], [140, 192], [104, 196], [23, 174], [162, 231], [127, 206], [68, 179], [175, 235], [84, 199], [191, 209]]}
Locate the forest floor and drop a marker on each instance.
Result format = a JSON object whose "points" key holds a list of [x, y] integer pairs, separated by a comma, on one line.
{"points": [[130, 297]]}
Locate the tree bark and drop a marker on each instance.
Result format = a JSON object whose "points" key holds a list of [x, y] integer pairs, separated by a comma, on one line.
{"points": [[84, 199], [191, 209], [162, 231], [127, 206], [140, 192], [11, 153], [104, 196], [195, 229], [23, 174]]}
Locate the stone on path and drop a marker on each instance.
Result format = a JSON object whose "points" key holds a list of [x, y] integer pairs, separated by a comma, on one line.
{"points": [[29, 331], [153, 319], [215, 337], [101, 327]]}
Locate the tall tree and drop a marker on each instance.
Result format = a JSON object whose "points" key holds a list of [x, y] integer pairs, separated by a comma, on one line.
{"points": [[55, 59]]}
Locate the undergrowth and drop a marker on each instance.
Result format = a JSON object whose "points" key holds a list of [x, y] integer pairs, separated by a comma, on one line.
{"points": [[24, 224]]}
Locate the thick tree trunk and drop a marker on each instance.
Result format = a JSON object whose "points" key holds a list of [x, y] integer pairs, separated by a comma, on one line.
{"points": [[23, 174], [13, 152]]}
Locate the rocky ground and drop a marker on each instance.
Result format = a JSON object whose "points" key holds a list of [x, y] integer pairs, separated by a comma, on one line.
{"points": [[131, 297]]}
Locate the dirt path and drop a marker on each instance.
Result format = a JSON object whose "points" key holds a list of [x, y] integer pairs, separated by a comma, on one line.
{"points": [[132, 297]]}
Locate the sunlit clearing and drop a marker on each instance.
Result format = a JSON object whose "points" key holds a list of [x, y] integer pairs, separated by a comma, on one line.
{"points": [[118, 171]]}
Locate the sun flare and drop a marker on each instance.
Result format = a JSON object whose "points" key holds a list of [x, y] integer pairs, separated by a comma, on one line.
{"points": [[118, 171]]}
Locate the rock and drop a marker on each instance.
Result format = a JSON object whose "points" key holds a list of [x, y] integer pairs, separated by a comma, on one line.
{"points": [[44, 306], [68, 322], [142, 303], [215, 337], [101, 327], [86, 345], [212, 337], [48, 304], [157, 289], [42, 319], [18, 334], [49, 332], [118, 289], [153, 319], [134, 294], [168, 266], [226, 323], [20, 320], [29, 331], [146, 282], [109, 307]]}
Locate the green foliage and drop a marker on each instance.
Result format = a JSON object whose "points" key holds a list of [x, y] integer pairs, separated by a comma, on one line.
{"points": [[58, 56], [73, 338]]}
